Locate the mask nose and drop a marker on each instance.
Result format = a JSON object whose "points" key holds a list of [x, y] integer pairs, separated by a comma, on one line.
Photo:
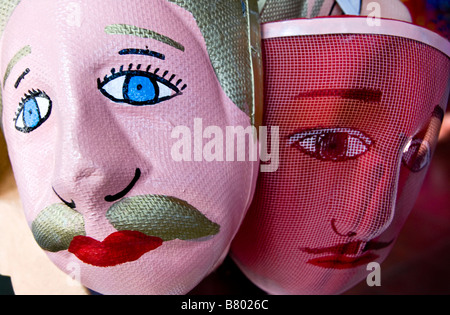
{"points": [[94, 157], [368, 204]]}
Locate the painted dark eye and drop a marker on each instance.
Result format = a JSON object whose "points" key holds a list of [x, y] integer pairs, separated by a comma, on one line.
{"points": [[418, 150], [139, 88], [331, 144], [416, 155], [34, 110]]}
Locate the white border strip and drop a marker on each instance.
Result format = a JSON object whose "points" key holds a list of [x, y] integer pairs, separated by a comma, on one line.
{"points": [[354, 25]]}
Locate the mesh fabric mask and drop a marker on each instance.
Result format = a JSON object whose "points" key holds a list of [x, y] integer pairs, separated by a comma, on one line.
{"points": [[103, 102], [359, 109]]}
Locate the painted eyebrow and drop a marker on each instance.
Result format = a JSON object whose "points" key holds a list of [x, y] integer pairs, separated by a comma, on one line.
{"points": [[21, 77], [144, 52], [125, 29], [25, 51], [365, 95]]}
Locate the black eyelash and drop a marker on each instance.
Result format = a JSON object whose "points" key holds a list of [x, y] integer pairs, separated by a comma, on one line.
{"points": [[148, 69]]}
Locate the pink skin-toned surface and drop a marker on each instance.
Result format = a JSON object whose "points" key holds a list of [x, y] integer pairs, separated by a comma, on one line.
{"points": [[335, 206], [91, 146]]}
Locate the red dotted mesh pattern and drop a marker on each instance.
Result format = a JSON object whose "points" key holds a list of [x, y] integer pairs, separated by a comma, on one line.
{"points": [[358, 119]]}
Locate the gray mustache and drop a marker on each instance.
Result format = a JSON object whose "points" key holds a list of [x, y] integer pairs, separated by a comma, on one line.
{"points": [[56, 226], [165, 217]]}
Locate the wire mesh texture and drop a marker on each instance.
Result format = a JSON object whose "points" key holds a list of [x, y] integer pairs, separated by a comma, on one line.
{"points": [[359, 118]]}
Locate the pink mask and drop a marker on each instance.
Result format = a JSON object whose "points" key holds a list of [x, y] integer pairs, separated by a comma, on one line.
{"points": [[359, 109], [92, 92]]}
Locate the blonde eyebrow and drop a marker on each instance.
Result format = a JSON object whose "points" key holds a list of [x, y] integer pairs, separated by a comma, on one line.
{"points": [[25, 51], [125, 29]]}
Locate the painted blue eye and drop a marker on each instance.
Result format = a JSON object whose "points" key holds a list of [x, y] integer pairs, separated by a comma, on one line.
{"points": [[31, 116], [34, 110], [139, 88]]}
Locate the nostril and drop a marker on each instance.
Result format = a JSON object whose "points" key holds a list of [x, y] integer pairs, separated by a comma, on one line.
{"points": [[70, 204]]}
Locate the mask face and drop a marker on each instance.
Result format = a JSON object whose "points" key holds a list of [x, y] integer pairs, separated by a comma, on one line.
{"points": [[359, 117], [92, 93]]}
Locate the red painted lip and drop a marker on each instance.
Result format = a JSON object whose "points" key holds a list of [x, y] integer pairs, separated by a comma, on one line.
{"points": [[343, 261], [343, 256], [117, 248]]}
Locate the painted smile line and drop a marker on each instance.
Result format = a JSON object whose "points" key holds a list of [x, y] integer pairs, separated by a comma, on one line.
{"points": [[343, 256], [112, 198], [142, 222]]}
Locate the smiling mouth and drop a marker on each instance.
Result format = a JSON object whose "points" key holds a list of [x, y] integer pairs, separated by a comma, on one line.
{"points": [[345, 256], [142, 222]]}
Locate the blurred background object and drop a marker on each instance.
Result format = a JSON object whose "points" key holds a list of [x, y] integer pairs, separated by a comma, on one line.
{"points": [[432, 14], [6, 286]]}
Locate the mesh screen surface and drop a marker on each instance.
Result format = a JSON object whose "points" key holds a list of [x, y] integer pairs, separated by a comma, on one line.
{"points": [[358, 119]]}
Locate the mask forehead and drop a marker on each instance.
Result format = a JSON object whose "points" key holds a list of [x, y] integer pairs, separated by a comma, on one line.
{"points": [[355, 77]]}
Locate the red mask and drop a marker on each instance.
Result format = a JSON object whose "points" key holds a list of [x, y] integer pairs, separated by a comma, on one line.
{"points": [[359, 110]]}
